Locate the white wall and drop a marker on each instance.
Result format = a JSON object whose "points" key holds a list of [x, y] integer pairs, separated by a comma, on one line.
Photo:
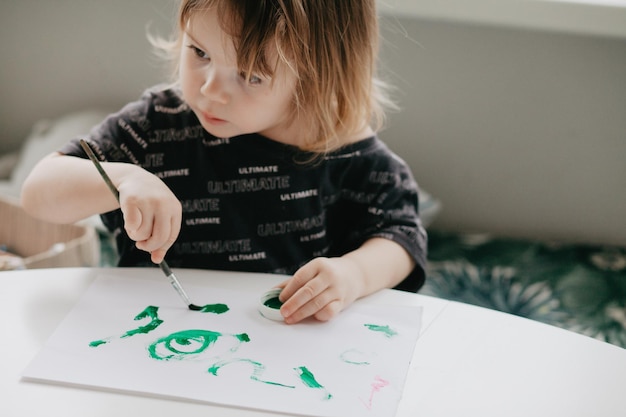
{"points": [[518, 132], [65, 55]]}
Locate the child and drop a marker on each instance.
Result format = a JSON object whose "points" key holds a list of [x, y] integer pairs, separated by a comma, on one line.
{"points": [[261, 157]]}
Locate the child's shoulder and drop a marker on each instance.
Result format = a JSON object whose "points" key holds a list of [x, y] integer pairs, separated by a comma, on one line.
{"points": [[369, 148], [164, 95], [162, 104], [369, 155]]}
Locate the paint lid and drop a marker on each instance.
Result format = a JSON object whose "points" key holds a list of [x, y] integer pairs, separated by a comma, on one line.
{"points": [[269, 305]]}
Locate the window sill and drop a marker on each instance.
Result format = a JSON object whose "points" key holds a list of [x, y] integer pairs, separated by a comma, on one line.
{"points": [[586, 17]]}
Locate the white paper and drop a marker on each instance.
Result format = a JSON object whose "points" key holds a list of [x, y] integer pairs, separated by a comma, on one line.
{"points": [[355, 364]]}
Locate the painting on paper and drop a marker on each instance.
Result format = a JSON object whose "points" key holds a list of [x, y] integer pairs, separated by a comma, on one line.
{"points": [[130, 335]]}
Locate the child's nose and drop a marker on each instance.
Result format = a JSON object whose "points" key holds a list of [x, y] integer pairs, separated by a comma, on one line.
{"points": [[214, 87]]}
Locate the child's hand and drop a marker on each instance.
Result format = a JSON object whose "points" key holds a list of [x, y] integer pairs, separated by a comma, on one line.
{"points": [[325, 286], [152, 213], [321, 288]]}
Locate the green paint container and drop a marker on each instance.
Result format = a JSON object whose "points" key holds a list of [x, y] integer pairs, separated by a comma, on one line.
{"points": [[269, 305]]}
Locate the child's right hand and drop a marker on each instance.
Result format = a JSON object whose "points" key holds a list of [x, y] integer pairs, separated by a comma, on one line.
{"points": [[152, 213]]}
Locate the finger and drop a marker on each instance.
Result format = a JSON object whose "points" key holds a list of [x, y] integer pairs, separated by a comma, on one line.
{"points": [[306, 301], [160, 232], [285, 292], [175, 225], [145, 230], [298, 280], [132, 222], [158, 255], [311, 308]]}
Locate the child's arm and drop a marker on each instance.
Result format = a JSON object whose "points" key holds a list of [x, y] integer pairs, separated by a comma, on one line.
{"points": [[65, 189], [325, 286]]}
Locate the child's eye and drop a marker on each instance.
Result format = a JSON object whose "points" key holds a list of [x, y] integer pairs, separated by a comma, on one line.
{"points": [[198, 52], [252, 79]]}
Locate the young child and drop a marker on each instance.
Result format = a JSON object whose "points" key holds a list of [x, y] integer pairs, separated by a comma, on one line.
{"points": [[261, 157]]}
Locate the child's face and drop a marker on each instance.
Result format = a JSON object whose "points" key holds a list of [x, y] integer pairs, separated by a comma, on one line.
{"points": [[225, 103]]}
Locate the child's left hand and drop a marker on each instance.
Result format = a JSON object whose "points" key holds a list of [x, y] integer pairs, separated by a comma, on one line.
{"points": [[321, 288], [325, 286]]}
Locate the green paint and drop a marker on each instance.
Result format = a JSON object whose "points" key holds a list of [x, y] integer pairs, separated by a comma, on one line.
{"points": [[307, 377], [214, 308], [97, 343], [386, 330], [309, 380], [186, 338], [257, 370], [274, 303], [345, 357], [243, 337], [149, 312]]}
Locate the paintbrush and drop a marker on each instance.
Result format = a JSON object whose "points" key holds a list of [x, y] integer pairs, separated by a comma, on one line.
{"points": [[163, 265]]}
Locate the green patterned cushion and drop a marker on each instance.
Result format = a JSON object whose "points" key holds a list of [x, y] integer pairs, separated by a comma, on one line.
{"points": [[577, 287]]}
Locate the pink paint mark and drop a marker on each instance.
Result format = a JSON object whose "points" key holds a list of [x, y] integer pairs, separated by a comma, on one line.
{"points": [[377, 386]]}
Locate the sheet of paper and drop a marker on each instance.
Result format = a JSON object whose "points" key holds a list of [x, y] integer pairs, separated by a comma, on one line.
{"points": [[131, 335]]}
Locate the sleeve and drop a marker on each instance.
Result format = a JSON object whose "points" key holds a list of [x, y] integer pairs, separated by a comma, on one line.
{"points": [[121, 137], [387, 207], [396, 218]]}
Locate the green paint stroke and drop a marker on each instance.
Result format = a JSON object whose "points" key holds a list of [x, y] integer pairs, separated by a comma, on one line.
{"points": [[346, 357], [97, 343], [242, 337], [257, 370], [386, 330], [214, 308], [194, 342], [309, 380], [149, 312]]}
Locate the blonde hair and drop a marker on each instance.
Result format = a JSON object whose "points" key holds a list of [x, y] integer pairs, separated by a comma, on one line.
{"points": [[330, 45]]}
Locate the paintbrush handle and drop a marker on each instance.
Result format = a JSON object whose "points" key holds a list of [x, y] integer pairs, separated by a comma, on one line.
{"points": [[101, 170], [163, 265]]}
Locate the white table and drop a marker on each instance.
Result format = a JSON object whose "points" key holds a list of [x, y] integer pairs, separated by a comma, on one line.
{"points": [[468, 361]]}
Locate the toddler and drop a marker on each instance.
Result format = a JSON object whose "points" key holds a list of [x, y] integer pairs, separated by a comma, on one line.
{"points": [[261, 156]]}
